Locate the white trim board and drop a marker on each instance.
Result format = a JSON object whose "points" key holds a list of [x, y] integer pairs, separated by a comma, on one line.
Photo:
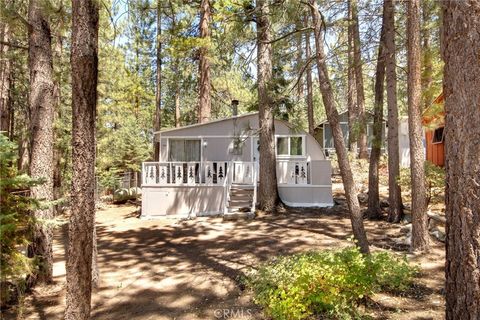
{"points": [[308, 205]]}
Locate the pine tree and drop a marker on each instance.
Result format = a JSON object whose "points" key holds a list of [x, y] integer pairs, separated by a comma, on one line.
{"points": [[204, 105], [374, 210], [351, 192], [267, 192], [461, 44], [420, 236], [84, 60], [42, 109], [394, 193]]}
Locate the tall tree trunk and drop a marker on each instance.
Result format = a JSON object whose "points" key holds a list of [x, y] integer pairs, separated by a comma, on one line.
{"points": [[5, 79], [57, 151], [41, 101], [351, 92], [461, 45], [158, 93], [84, 61], [357, 57], [300, 61], [310, 116], [11, 107], [177, 96], [351, 192], [427, 75], [420, 236], [268, 192], [205, 105], [374, 210], [395, 212]]}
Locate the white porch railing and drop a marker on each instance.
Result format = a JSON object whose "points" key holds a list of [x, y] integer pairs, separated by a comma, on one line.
{"points": [[185, 173], [216, 173], [293, 172]]}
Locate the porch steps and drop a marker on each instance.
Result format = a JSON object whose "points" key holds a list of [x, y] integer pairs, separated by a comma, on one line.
{"points": [[240, 202]]}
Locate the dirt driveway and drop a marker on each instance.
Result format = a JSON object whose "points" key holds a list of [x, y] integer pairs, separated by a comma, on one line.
{"points": [[171, 269]]}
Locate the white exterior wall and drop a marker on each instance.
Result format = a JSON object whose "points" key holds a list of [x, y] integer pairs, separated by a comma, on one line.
{"points": [[403, 143], [182, 200]]}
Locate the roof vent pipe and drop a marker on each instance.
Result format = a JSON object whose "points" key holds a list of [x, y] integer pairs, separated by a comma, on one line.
{"points": [[234, 108]]}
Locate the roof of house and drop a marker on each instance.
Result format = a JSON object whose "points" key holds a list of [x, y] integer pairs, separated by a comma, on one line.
{"points": [[434, 116], [205, 123], [341, 112]]}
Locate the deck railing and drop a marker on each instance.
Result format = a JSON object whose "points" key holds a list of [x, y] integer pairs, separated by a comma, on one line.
{"points": [[293, 172], [185, 173], [216, 173]]}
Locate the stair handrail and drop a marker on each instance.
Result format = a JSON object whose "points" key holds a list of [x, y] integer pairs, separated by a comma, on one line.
{"points": [[254, 199], [227, 186]]}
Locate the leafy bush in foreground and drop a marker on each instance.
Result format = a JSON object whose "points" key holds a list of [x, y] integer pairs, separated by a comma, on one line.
{"points": [[330, 283], [15, 220]]}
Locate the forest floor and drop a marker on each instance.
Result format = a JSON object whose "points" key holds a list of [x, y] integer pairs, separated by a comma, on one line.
{"points": [[190, 269]]}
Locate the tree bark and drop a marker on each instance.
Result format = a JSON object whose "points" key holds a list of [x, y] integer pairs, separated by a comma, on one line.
{"points": [[351, 92], [57, 151], [41, 101], [205, 105], [5, 79], [420, 236], [158, 93], [351, 192], [310, 116], [395, 212], [357, 57], [427, 75], [177, 96], [267, 192], [461, 45], [84, 62], [374, 210], [300, 61]]}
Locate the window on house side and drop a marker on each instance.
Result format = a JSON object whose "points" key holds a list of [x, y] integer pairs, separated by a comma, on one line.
{"points": [[282, 146], [438, 135], [184, 150], [290, 146], [296, 146]]}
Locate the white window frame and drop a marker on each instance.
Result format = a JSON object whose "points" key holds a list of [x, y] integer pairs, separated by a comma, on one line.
{"points": [[289, 136]]}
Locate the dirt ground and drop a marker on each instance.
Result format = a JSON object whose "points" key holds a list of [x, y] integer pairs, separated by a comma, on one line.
{"points": [[172, 269]]}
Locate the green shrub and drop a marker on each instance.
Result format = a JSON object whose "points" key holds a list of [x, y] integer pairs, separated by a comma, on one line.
{"points": [[15, 218], [434, 181], [327, 283]]}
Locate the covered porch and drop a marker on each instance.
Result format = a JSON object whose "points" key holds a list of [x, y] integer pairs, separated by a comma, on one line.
{"points": [[221, 187]]}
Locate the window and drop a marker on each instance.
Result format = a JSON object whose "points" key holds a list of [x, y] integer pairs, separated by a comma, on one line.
{"points": [[438, 135], [290, 146], [184, 150], [296, 146], [328, 142], [282, 146]]}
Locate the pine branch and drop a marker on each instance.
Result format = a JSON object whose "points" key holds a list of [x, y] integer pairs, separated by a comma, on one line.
{"points": [[12, 45]]}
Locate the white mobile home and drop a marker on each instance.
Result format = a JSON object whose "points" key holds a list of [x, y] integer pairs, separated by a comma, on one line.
{"points": [[212, 168]]}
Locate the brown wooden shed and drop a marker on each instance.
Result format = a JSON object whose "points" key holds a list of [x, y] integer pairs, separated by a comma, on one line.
{"points": [[433, 120]]}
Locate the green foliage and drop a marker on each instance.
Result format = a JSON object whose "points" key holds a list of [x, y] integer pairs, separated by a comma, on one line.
{"points": [[326, 283], [434, 181], [15, 220]]}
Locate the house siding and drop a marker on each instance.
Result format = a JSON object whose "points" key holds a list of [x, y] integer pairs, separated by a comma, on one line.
{"points": [[182, 201]]}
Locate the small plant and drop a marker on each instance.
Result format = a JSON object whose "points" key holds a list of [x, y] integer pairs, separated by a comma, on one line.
{"points": [[16, 222], [326, 283], [434, 181]]}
